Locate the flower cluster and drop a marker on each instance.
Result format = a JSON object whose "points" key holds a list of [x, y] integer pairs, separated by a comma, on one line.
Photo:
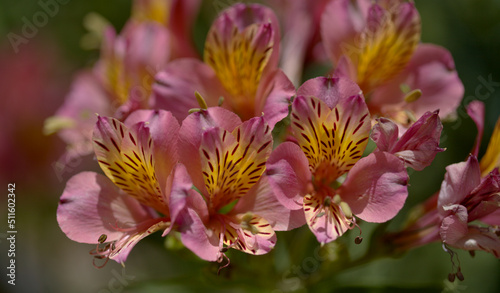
{"points": [[225, 150]]}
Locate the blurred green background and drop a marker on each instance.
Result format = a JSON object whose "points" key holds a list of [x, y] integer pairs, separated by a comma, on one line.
{"points": [[33, 83]]}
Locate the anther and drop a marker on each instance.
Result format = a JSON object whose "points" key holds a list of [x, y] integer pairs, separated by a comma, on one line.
{"points": [[102, 238], [221, 100], [358, 240], [201, 100], [451, 277]]}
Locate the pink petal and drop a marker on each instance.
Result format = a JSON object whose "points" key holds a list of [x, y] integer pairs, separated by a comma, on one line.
{"points": [[191, 134], [200, 240], [326, 221], [341, 22], [419, 144], [329, 89], [376, 187], [385, 134], [273, 97], [233, 162], [182, 19], [485, 198], [178, 192], [261, 200], [179, 80], [91, 205], [86, 98], [492, 219], [454, 226], [164, 131], [243, 15], [148, 46], [460, 179], [480, 238], [432, 70], [475, 110], [288, 174], [126, 155]]}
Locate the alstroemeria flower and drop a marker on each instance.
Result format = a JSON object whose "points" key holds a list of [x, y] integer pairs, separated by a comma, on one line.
{"points": [[332, 124], [464, 198], [301, 43], [469, 194], [143, 191], [120, 83], [419, 144], [176, 15], [235, 206], [240, 65], [376, 44]]}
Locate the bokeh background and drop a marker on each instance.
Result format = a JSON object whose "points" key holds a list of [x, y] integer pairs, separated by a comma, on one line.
{"points": [[33, 83]]}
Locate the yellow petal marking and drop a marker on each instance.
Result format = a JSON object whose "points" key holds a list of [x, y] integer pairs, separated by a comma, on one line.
{"points": [[491, 158], [238, 64]]}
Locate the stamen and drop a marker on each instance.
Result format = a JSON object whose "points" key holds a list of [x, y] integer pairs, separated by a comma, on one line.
{"points": [[458, 274], [221, 100], [413, 96], [102, 238], [200, 100]]}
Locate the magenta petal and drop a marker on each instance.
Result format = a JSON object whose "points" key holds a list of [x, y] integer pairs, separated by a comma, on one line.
{"points": [[475, 109], [329, 89], [91, 205], [288, 174], [460, 179], [180, 189], [485, 198], [480, 238], [492, 219], [164, 130], [148, 46], [454, 226], [261, 200], [420, 143], [376, 187], [179, 80], [191, 134], [200, 240], [86, 98], [432, 70], [243, 15], [385, 134], [273, 97], [341, 21]]}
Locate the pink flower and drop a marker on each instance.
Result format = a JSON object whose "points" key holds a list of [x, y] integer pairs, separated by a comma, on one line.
{"points": [[177, 16], [377, 46], [240, 65], [120, 83], [234, 206], [144, 189], [326, 176], [419, 144], [464, 198], [469, 194], [301, 43]]}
